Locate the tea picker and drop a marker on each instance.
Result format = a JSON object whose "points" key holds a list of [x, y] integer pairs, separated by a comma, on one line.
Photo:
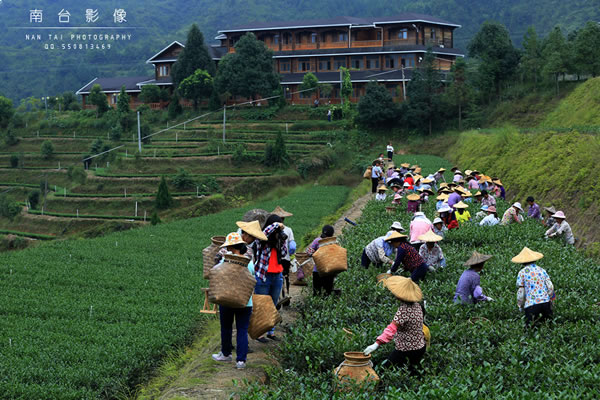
{"points": [[468, 289], [286, 261]]}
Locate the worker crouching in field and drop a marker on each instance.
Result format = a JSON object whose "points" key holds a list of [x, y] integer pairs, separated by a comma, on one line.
{"points": [[468, 289], [235, 245], [408, 256], [406, 329], [431, 252], [535, 291], [321, 283], [561, 228], [381, 250]]}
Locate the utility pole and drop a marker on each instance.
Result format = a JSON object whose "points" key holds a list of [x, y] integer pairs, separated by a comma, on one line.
{"points": [[139, 133], [341, 87], [403, 82], [224, 120]]}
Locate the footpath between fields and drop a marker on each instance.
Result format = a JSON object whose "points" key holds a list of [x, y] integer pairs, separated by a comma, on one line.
{"points": [[194, 375]]}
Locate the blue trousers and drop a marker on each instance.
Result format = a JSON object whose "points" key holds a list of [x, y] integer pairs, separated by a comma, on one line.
{"points": [[242, 320], [272, 287]]}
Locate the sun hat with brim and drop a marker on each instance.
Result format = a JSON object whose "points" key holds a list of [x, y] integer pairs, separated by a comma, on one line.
{"points": [[559, 214], [406, 184], [252, 228], [443, 197], [232, 239], [467, 194], [497, 182], [484, 207], [408, 174], [460, 204], [443, 185], [527, 256], [428, 191], [427, 180], [398, 226], [382, 188], [468, 171], [477, 258], [517, 205], [418, 170], [491, 209], [453, 169], [404, 289], [445, 208], [280, 212], [458, 172], [397, 196], [429, 236], [405, 165], [437, 220], [478, 194], [413, 197], [550, 209], [394, 235], [452, 184], [442, 170]]}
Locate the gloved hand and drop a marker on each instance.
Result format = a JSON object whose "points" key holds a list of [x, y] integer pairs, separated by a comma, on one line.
{"points": [[489, 298], [371, 348], [389, 271]]}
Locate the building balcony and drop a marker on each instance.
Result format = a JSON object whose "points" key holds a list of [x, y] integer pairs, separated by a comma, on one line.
{"points": [[366, 43], [333, 45], [286, 47], [439, 42], [306, 46]]}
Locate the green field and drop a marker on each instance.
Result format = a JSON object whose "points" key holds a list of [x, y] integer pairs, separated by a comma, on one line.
{"points": [[89, 319], [469, 357]]}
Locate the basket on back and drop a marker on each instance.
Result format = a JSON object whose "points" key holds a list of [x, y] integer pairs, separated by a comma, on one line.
{"points": [[209, 253], [306, 265], [264, 315], [368, 173], [231, 284], [330, 258]]}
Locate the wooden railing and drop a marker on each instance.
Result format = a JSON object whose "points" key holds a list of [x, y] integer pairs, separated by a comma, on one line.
{"points": [[286, 47], [398, 42], [366, 43], [333, 45], [438, 42], [306, 46]]}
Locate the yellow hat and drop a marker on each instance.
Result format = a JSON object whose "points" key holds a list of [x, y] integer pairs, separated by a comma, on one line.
{"points": [[478, 193], [281, 212], [405, 165], [527, 256], [477, 258], [413, 197], [466, 194], [404, 288], [232, 239], [429, 237], [442, 170], [394, 235], [443, 197], [252, 228], [498, 182], [382, 187], [443, 185], [427, 180], [460, 204]]}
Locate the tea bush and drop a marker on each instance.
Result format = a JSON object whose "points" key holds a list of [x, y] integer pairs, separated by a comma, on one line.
{"points": [[477, 351]]}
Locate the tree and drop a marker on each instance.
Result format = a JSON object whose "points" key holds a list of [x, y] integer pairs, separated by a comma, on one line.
{"points": [[68, 100], [346, 91], [459, 92], [197, 86], [98, 99], [587, 49], [498, 58], [249, 71], [47, 150], [310, 83], [423, 104], [6, 111], [34, 198], [555, 56], [175, 108], [163, 196], [150, 94], [155, 219], [377, 108], [193, 57], [14, 161], [8, 208], [123, 102], [532, 60], [183, 180], [276, 153]]}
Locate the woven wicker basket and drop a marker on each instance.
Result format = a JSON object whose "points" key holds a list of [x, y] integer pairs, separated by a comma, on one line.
{"points": [[209, 253], [231, 284], [307, 264], [330, 258], [368, 172], [264, 315]]}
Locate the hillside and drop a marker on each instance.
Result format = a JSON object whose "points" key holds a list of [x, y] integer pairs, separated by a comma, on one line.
{"points": [[158, 23], [580, 109]]}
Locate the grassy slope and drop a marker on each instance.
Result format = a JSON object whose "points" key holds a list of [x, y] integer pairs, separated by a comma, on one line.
{"points": [[483, 359], [144, 294], [580, 108]]}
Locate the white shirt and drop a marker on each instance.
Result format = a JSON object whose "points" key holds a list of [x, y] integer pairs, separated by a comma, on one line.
{"points": [[390, 148], [290, 237], [490, 220], [380, 196], [376, 172]]}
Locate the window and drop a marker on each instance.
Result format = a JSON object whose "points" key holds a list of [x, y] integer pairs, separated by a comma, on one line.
{"points": [[313, 38], [339, 62], [403, 34], [335, 93], [357, 62], [305, 95], [303, 65], [325, 65], [276, 39], [285, 66], [391, 62], [113, 99], [432, 34], [287, 38], [372, 62], [408, 61], [163, 70], [356, 92], [342, 37]]}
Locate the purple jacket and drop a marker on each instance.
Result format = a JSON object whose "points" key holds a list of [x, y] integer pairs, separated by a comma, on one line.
{"points": [[468, 290], [453, 199]]}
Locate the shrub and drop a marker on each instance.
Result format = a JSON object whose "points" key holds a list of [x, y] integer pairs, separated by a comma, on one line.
{"points": [[14, 161], [77, 174], [183, 179], [34, 198], [209, 185], [10, 138], [47, 150], [155, 219], [376, 109], [163, 196], [276, 153], [8, 207], [115, 133]]}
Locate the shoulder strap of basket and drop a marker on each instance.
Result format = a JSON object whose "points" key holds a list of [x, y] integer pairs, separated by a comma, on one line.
{"points": [[328, 244], [307, 260], [237, 262]]}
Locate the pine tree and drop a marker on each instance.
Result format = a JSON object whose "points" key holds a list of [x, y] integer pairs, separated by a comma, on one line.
{"points": [[459, 92], [423, 90], [123, 101], [555, 56], [532, 60], [193, 57], [163, 197]]}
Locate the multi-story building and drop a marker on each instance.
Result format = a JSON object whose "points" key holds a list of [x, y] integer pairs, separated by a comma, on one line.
{"points": [[386, 50]]}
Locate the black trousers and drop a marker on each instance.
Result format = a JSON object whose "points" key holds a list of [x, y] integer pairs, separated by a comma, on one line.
{"points": [[322, 283], [374, 184], [390, 155], [419, 273], [538, 313], [365, 261], [399, 358]]}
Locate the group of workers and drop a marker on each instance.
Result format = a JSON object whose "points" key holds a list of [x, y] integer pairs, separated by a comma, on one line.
{"points": [[418, 250]]}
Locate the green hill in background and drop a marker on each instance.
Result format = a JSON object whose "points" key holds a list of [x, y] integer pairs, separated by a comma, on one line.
{"points": [[581, 108], [29, 70]]}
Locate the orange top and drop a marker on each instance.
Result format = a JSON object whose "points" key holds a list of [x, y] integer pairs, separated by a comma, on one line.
{"points": [[274, 266]]}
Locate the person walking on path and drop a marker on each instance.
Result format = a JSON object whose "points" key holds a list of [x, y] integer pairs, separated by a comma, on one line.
{"points": [[321, 283], [406, 328], [535, 291], [534, 209], [291, 246], [376, 175], [329, 115], [468, 289], [561, 228], [390, 151], [235, 245]]}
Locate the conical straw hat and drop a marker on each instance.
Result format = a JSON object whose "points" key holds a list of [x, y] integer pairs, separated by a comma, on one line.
{"points": [[394, 235], [430, 237], [252, 228], [413, 197], [281, 212], [477, 258], [404, 289], [527, 256], [442, 197], [460, 204]]}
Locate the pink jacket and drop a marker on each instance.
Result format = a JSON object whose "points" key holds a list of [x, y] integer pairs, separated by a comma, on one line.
{"points": [[419, 227]]}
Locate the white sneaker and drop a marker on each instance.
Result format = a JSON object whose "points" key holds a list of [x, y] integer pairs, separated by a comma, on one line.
{"points": [[221, 357], [240, 364]]}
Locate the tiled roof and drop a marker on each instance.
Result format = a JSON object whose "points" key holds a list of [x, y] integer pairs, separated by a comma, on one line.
{"points": [[113, 85], [339, 21]]}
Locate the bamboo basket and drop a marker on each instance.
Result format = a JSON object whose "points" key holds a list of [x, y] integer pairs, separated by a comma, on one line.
{"points": [[368, 173], [307, 264], [231, 284], [330, 258], [209, 253], [264, 315]]}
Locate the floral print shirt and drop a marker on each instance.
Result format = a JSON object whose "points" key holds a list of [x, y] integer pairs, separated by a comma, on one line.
{"points": [[537, 285], [409, 319]]}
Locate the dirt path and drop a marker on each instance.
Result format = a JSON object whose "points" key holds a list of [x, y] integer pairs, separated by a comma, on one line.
{"points": [[201, 378]]}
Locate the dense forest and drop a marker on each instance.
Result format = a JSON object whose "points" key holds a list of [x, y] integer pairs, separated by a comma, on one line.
{"points": [[27, 69]]}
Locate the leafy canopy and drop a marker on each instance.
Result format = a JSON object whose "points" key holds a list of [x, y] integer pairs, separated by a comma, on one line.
{"points": [[193, 57], [197, 86], [376, 109]]}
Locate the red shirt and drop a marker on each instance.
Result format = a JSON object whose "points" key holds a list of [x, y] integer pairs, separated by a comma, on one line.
{"points": [[410, 181], [274, 266]]}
